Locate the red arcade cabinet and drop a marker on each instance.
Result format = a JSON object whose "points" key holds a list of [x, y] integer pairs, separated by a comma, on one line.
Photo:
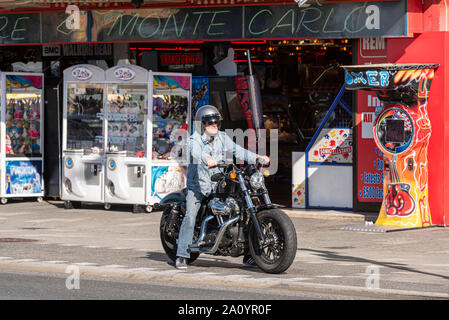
{"points": [[402, 132]]}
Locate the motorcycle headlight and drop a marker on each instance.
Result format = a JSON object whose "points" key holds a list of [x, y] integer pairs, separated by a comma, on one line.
{"points": [[256, 180]]}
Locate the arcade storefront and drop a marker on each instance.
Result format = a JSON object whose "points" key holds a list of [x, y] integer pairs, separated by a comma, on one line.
{"points": [[296, 53]]}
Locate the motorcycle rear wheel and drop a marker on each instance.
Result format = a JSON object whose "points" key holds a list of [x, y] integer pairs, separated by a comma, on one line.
{"points": [[169, 241], [278, 253]]}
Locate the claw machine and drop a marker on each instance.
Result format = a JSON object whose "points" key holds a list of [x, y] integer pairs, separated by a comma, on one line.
{"points": [[170, 118], [83, 146], [127, 164], [21, 134]]}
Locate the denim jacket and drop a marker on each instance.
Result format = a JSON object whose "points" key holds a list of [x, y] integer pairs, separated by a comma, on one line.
{"points": [[220, 149]]}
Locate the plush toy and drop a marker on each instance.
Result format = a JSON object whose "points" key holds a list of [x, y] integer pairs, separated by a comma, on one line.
{"points": [[10, 111], [18, 111], [35, 147], [133, 130], [34, 131], [124, 130], [134, 108], [9, 149], [25, 129], [114, 131], [26, 147], [9, 127], [35, 110], [13, 133], [114, 105], [27, 110], [19, 127]]}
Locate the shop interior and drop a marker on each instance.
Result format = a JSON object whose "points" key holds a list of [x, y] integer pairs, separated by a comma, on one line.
{"points": [[298, 79]]}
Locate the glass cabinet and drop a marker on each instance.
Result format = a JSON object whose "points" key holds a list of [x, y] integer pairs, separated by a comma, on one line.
{"points": [[21, 135], [84, 119], [127, 115]]}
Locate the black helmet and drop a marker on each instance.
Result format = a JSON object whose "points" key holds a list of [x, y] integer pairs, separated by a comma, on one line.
{"points": [[205, 114]]}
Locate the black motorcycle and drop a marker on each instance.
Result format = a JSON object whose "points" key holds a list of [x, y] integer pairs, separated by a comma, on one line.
{"points": [[235, 218]]}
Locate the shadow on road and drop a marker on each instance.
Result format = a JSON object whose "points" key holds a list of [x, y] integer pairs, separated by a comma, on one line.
{"points": [[333, 256], [204, 261]]}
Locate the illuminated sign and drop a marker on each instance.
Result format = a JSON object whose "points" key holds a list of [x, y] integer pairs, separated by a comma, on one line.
{"points": [[181, 58]]}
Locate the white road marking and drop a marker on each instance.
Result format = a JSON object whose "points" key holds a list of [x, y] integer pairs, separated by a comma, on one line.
{"points": [[113, 266], [56, 220], [25, 260]]}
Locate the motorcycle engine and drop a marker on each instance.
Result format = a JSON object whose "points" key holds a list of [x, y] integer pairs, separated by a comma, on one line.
{"points": [[224, 207], [210, 237]]}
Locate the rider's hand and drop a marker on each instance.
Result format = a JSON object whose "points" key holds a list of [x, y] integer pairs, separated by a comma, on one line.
{"points": [[264, 159], [211, 162]]}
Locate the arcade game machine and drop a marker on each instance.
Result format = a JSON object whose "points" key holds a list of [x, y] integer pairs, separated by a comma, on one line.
{"points": [[171, 105], [83, 145], [402, 133], [21, 148], [127, 123]]}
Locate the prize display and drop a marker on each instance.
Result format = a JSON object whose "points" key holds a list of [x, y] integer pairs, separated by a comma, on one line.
{"points": [[171, 115], [402, 131], [21, 138], [124, 135], [127, 119]]}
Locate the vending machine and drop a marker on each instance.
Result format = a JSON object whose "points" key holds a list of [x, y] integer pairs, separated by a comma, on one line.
{"points": [[21, 147], [402, 132], [125, 133], [171, 108], [127, 122], [83, 143]]}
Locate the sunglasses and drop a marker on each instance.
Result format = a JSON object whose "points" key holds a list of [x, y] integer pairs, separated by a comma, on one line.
{"points": [[209, 123]]}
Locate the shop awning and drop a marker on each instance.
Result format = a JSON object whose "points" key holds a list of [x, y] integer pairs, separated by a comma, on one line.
{"points": [[13, 5], [191, 20]]}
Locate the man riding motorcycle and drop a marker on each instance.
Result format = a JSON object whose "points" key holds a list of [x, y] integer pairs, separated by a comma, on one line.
{"points": [[208, 146]]}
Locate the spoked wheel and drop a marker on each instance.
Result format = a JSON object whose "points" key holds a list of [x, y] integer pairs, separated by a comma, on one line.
{"points": [[169, 232], [278, 251]]}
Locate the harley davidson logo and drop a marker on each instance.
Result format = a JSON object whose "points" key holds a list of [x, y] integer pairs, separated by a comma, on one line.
{"points": [[124, 74], [82, 73]]}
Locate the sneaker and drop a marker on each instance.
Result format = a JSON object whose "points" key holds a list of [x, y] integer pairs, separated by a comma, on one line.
{"points": [[249, 261], [181, 263]]}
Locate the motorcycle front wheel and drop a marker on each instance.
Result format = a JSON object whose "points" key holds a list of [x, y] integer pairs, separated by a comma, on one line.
{"points": [[169, 232], [279, 250]]}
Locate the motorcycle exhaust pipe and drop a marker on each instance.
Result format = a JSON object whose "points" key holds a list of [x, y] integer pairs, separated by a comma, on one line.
{"points": [[195, 245], [220, 235]]}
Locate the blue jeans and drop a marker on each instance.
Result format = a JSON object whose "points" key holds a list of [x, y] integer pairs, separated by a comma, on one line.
{"points": [[193, 204]]}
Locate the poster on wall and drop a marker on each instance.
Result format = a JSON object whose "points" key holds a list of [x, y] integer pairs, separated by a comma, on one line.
{"points": [[23, 177], [332, 146], [200, 93], [369, 162]]}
